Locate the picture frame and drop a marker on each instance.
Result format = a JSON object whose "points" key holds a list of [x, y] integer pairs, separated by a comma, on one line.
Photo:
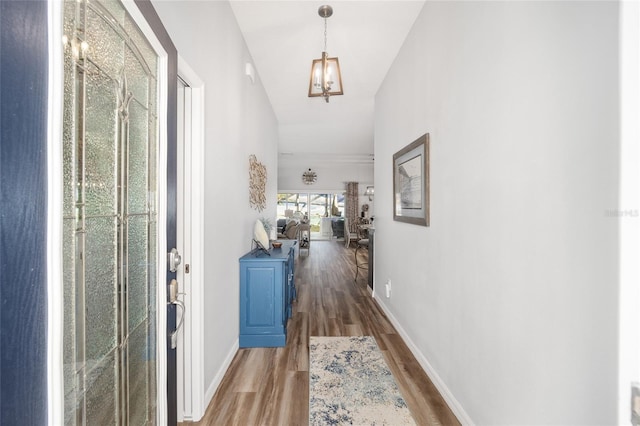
{"points": [[411, 183]]}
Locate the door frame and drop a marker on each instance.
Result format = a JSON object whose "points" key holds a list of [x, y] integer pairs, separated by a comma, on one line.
{"points": [[628, 220], [190, 360], [55, 285], [147, 19]]}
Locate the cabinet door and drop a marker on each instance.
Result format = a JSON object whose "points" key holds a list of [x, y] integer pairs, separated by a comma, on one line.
{"points": [[262, 304], [261, 300]]}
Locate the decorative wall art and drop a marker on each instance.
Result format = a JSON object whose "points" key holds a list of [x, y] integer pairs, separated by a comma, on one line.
{"points": [[309, 177], [257, 184], [411, 182]]}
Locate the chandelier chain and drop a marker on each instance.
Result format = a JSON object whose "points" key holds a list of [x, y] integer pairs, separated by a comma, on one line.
{"points": [[325, 34]]}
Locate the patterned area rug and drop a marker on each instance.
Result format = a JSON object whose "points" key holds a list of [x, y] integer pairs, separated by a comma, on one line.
{"points": [[350, 384]]}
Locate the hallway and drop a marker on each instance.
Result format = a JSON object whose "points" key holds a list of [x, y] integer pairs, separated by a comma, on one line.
{"points": [[270, 386]]}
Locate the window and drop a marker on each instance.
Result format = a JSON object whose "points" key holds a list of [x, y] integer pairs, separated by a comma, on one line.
{"points": [[312, 206]]}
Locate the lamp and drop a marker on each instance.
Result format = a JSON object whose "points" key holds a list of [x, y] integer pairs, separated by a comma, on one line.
{"points": [[369, 192], [325, 79], [309, 177]]}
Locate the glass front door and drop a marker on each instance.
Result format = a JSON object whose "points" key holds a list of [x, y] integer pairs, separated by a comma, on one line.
{"points": [[110, 147]]}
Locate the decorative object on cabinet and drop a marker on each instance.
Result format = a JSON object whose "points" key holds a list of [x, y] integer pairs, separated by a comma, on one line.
{"points": [[257, 184], [266, 222], [260, 235], [411, 182], [309, 177], [267, 290]]}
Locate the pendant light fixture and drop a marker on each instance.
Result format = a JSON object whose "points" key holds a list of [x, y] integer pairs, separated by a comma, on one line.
{"points": [[369, 192], [325, 79]]}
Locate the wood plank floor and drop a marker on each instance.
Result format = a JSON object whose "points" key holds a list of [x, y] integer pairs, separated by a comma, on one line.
{"points": [[270, 386]]}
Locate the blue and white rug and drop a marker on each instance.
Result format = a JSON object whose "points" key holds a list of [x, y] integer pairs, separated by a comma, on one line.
{"points": [[351, 384]]}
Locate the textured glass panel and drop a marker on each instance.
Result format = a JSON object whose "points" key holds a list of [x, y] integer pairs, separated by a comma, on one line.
{"points": [[137, 77], [100, 134], [152, 344], [72, 399], [153, 279], [113, 10], [141, 364], [153, 161], [105, 46], [153, 98], [93, 135], [69, 336], [137, 269], [101, 390], [68, 113], [143, 46], [138, 157], [101, 294], [151, 352]]}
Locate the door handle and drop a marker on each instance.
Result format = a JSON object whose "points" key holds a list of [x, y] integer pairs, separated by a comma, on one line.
{"points": [[173, 300]]}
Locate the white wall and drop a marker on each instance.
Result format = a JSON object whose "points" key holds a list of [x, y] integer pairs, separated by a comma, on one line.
{"points": [[330, 177], [511, 293], [239, 121]]}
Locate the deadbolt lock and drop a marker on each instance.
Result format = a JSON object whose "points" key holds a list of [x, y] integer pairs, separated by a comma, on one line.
{"points": [[174, 260]]}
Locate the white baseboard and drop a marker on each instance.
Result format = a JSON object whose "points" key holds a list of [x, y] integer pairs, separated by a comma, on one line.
{"points": [[213, 387], [451, 401]]}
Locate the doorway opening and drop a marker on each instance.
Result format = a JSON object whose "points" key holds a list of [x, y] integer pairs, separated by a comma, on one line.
{"points": [[321, 210]]}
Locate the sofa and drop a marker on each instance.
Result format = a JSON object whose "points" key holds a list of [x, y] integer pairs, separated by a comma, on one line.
{"points": [[287, 229]]}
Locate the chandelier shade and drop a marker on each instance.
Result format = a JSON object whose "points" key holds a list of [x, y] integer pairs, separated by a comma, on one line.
{"points": [[369, 192], [326, 78]]}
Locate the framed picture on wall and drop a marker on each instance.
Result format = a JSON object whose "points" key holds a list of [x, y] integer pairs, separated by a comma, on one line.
{"points": [[411, 182]]}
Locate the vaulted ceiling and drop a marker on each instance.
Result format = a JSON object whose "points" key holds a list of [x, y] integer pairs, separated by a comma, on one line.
{"points": [[285, 36]]}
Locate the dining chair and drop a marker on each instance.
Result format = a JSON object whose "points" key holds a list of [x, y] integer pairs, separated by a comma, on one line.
{"points": [[362, 243], [349, 235]]}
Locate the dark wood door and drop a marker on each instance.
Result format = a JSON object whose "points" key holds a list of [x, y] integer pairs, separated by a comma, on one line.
{"points": [[152, 18], [23, 212]]}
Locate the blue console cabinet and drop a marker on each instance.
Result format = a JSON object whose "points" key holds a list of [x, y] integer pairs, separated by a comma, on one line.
{"points": [[267, 290]]}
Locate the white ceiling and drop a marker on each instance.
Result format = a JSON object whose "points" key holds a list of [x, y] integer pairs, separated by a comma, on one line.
{"points": [[285, 36]]}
